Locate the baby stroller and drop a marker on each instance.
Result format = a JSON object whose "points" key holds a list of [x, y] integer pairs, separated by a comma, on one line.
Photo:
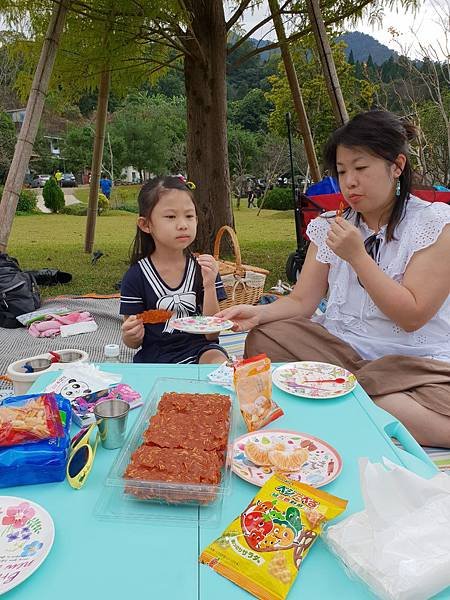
{"points": [[309, 207]]}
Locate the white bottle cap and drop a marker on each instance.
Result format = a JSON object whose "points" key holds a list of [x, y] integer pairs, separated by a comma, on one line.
{"points": [[111, 350]]}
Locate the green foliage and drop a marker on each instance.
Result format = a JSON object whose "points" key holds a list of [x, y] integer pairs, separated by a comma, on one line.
{"points": [[53, 195], [151, 130], [279, 199], [243, 150], [79, 210], [251, 112], [77, 148], [103, 203], [358, 93], [7, 143], [435, 131], [27, 201]]}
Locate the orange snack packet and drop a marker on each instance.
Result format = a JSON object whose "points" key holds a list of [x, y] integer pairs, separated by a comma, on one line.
{"points": [[253, 385], [263, 549], [154, 316]]}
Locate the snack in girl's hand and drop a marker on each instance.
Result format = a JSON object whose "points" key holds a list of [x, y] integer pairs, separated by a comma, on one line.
{"points": [[263, 548], [253, 385], [154, 316]]}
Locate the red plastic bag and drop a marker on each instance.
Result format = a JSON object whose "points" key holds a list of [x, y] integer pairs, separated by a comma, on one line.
{"points": [[30, 419]]}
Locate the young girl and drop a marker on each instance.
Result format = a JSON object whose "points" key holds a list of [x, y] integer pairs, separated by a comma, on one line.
{"points": [[385, 265], [164, 275]]}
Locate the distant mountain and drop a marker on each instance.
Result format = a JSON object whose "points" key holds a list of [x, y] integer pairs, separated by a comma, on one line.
{"points": [[362, 45]]}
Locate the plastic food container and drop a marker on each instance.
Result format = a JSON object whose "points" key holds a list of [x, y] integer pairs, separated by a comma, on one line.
{"points": [[161, 499]]}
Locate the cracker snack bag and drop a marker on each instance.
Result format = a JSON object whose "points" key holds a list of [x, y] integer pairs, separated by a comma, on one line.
{"points": [[253, 385], [263, 548]]}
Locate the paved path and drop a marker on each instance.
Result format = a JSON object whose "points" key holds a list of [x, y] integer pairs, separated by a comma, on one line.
{"points": [[69, 198]]}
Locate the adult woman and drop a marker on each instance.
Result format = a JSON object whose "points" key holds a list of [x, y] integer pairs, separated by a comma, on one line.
{"points": [[385, 264]]}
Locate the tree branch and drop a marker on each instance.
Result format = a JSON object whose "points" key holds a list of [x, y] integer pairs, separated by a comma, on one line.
{"points": [[237, 15], [330, 21]]}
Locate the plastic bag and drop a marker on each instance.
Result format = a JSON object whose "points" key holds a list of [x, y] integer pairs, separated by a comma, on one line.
{"points": [[400, 544], [263, 548], [253, 385], [41, 462], [26, 419]]}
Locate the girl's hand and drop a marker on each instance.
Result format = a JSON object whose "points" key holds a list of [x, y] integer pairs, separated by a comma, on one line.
{"points": [[245, 316], [209, 267], [133, 332], [345, 240]]}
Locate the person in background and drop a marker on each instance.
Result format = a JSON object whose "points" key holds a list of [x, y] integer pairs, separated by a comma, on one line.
{"points": [[165, 275], [106, 185], [58, 177], [385, 266]]}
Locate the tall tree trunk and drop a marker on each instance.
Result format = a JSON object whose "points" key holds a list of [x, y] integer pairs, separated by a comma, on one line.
{"points": [[28, 131], [295, 91], [99, 142], [207, 144], [327, 60]]}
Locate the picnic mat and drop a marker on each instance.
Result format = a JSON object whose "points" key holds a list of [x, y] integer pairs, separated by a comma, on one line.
{"points": [[18, 343]]}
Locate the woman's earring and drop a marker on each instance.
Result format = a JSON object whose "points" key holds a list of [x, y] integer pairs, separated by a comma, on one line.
{"points": [[397, 188]]}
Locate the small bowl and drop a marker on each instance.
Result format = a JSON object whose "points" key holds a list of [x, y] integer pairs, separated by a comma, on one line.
{"points": [[37, 364], [68, 356]]}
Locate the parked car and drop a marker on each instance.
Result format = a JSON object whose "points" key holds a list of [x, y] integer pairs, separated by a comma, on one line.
{"points": [[39, 181], [68, 180]]}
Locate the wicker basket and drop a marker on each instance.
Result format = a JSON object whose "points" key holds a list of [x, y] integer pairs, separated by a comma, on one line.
{"points": [[243, 284]]}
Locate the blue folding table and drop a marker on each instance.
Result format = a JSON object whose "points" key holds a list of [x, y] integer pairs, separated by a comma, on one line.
{"points": [[117, 560]]}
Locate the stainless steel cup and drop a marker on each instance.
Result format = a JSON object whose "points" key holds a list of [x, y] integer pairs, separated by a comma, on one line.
{"points": [[111, 418]]}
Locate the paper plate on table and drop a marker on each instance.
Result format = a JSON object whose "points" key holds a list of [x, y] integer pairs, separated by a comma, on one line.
{"points": [[322, 463], [26, 536], [201, 324], [314, 379]]}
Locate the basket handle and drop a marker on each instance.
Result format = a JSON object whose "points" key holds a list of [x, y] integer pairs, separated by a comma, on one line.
{"points": [[235, 242]]}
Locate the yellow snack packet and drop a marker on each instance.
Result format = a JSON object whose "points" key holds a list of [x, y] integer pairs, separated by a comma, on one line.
{"points": [[263, 548], [253, 385]]}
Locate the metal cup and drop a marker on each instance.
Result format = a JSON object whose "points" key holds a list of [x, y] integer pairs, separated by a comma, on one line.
{"points": [[111, 418]]}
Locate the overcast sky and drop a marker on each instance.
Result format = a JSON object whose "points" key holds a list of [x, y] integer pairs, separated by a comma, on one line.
{"points": [[423, 26]]}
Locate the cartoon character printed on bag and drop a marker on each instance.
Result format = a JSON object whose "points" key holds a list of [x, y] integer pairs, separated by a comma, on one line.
{"points": [[75, 388], [267, 529]]}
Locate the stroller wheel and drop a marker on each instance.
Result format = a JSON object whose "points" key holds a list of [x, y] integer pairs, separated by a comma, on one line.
{"points": [[294, 264]]}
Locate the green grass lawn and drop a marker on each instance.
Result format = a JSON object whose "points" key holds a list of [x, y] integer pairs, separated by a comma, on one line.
{"points": [[121, 195], [57, 241]]}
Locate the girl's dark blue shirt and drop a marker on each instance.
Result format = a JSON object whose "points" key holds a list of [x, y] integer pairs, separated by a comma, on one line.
{"points": [[142, 288]]}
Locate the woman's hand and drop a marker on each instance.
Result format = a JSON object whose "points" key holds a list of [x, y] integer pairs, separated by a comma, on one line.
{"points": [[345, 240], [133, 332], [245, 316], [209, 267]]}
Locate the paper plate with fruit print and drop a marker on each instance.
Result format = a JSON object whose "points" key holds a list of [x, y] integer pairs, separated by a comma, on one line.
{"points": [[317, 380], [201, 324], [302, 457]]}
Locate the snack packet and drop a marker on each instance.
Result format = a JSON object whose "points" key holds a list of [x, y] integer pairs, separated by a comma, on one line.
{"points": [[253, 385], [30, 419], [263, 548]]}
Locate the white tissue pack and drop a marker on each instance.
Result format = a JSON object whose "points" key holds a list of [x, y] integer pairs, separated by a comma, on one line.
{"points": [[400, 544]]}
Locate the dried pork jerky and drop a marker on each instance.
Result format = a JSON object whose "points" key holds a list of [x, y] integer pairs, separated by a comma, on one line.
{"points": [[151, 317]]}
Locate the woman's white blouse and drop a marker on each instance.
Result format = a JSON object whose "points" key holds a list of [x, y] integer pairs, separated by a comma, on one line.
{"points": [[351, 314]]}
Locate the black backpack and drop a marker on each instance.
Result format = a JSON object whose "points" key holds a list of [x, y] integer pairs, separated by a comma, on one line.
{"points": [[19, 292]]}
